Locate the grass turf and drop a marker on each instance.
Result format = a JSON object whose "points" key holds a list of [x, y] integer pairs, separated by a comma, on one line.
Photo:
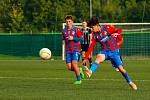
{"points": [[50, 80]]}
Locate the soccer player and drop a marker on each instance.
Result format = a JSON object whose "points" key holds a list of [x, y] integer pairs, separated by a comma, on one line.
{"points": [[86, 32], [71, 37], [109, 49]]}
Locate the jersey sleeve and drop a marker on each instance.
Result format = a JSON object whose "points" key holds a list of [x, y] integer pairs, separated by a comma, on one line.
{"points": [[79, 36], [111, 29], [78, 32], [119, 36]]}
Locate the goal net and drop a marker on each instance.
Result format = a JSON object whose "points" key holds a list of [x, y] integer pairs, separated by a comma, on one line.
{"points": [[136, 40]]}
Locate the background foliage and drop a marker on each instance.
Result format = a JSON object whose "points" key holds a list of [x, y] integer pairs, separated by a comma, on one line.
{"points": [[48, 15]]}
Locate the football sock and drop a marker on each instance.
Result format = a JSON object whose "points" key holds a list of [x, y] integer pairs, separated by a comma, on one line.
{"points": [[126, 76], [78, 77], [94, 67]]}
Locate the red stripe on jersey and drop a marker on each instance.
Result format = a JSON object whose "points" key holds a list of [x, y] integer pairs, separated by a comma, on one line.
{"points": [[104, 45], [67, 49], [79, 34], [72, 42], [67, 43], [72, 45], [110, 44], [115, 41], [78, 46]]}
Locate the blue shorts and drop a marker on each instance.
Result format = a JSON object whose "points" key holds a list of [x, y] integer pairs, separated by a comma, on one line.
{"points": [[113, 56], [72, 56], [113, 62]]}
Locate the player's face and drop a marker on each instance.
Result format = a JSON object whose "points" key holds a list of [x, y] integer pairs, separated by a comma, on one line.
{"points": [[69, 23], [94, 28], [84, 24]]}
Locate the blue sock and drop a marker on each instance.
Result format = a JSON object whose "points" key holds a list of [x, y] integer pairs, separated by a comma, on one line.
{"points": [[78, 77], [94, 67], [126, 76]]}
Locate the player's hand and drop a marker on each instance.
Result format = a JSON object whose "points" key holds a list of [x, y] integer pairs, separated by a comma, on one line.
{"points": [[84, 61], [70, 38]]}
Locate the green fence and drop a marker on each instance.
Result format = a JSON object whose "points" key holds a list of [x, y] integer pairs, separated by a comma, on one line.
{"points": [[136, 45], [29, 45]]}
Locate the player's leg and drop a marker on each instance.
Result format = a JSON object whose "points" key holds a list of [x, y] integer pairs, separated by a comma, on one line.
{"points": [[90, 58], [83, 56], [126, 76], [99, 59], [68, 62], [114, 65], [80, 68], [124, 73], [69, 66], [76, 68]]}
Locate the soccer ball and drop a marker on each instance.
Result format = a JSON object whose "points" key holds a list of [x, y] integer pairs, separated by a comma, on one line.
{"points": [[45, 53]]}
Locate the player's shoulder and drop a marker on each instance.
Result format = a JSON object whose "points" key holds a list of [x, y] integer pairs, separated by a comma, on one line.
{"points": [[109, 28], [77, 29]]}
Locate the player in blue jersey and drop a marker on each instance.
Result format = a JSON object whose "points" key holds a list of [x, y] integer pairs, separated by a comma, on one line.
{"points": [[109, 49], [71, 37]]}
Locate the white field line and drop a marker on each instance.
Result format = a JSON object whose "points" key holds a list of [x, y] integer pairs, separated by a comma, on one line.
{"points": [[44, 78]]}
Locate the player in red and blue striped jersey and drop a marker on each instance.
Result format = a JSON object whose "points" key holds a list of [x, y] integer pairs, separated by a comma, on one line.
{"points": [[71, 37], [109, 49]]}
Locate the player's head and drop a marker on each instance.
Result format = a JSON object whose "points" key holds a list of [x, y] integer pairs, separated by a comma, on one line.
{"points": [[69, 21], [94, 24], [84, 24]]}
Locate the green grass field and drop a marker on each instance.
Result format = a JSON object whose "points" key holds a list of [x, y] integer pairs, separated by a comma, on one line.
{"points": [[50, 80]]}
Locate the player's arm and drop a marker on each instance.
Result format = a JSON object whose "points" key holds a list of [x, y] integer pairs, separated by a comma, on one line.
{"points": [[119, 36], [93, 43], [63, 38], [110, 29], [79, 36]]}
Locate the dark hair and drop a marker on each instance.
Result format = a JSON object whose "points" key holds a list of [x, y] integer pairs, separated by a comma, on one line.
{"points": [[68, 17], [93, 22]]}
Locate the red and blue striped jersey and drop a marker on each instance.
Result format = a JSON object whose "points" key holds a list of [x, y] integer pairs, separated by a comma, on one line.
{"points": [[105, 38], [71, 45]]}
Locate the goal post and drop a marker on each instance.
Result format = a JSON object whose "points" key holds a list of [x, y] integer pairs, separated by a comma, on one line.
{"points": [[136, 40]]}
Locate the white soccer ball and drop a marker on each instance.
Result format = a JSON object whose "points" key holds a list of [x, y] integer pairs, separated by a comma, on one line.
{"points": [[45, 53]]}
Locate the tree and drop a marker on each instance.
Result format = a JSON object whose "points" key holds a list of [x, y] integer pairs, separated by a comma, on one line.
{"points": [[16, 16]]}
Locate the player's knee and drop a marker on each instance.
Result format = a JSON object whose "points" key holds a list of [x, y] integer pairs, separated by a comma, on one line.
{"points": [[100, 58], [121, 69], [74, 62], [69, 67]]}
